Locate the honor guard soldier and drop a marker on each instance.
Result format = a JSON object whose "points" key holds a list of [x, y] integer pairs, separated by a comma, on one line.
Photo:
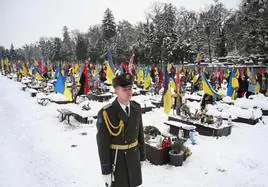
{"points": [[120, 137]]}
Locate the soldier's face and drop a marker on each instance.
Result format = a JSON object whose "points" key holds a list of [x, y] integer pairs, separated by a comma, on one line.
{"points": [[123, 94]]}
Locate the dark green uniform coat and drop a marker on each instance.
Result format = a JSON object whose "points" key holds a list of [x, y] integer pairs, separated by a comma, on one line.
{"points": [[128, 169]]}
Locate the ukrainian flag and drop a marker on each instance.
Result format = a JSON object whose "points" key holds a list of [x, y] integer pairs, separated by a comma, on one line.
{"points": [[110, 68], [147, 81], [109, 73], [230, 85], [61, 87], [140, 75], [167, 94], [207, 88]]}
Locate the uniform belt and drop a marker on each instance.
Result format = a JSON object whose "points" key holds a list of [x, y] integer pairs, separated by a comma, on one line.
{"points": [[124, 147]]}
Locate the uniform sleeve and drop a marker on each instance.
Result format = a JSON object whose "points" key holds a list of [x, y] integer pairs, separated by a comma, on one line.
{"points": [[103, 142], [141, 140]]}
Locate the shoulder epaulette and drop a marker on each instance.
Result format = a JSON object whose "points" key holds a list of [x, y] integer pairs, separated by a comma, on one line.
{"points": [[107, 106], [135, 103]]}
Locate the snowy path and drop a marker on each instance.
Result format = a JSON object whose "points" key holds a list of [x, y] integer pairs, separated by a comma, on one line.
{"points": [[35, 151]]}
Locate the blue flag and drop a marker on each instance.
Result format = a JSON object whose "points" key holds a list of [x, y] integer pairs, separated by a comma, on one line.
{"points": [[230, 86], [59, 86]]}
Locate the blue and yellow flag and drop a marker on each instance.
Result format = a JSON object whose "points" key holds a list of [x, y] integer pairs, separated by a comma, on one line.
{"points": [[167, 94], [147, 81], [61, 87], [140, 76], [110, 68], [109, 73], [207, 88]]}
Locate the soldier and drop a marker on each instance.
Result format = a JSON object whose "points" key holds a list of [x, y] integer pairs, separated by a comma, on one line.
{"points": [[120, 137]]}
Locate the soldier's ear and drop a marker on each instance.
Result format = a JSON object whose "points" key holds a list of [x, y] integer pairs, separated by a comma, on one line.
{"points": [[116, 90]]}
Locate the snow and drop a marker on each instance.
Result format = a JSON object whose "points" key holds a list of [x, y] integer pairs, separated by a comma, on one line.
{"points": [[227, 100], [245, 103], [36, 150], [178, 124], [31, 90], [144, 100], [57, 97], [260, 101], [25, 80], [193, 96]]}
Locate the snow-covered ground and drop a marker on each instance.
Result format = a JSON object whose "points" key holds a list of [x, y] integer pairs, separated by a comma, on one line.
{"points": [[38, 150]]}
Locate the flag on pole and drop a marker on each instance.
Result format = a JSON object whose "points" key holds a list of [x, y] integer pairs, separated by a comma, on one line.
{"points": [[207, 88], [147, 81], [167, 94]]}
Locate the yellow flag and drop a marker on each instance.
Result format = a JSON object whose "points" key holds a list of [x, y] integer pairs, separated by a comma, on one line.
{"points": [[234, 94], [258, 87], [30, 72], [237, 74], [52, 74], [168, 100], [147, 81], [235, 83], [67, 93], [140, 76], [63, 73], [76, 68], [109, 74], [24, 71], [169, 67], [173, 85], [195, 79], [39, 77], [248, 72], [6, 61], [206, 88]]}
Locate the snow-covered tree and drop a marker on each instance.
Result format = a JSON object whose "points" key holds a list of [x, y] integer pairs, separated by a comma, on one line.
{"points": [[46, 47], [108, 26], [81, 47], [56, 51], [252, 19], [68, 46], [95, 43], [12, 53], [125, 38]]}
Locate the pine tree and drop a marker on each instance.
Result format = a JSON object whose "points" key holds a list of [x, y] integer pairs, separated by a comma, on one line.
{"points": [[12, 53], [57, 49], [81, 48], [46, 46], [108, 25], [67, 45], [95, 44], [124, 40]]}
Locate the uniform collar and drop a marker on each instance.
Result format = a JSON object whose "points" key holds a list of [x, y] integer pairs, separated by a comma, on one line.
{"points": [[124, 106], [121, 114]]}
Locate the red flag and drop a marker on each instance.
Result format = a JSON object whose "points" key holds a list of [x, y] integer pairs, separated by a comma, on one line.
{"points": [[261, 71], [178, 80], [86, 88], [161, 76]]}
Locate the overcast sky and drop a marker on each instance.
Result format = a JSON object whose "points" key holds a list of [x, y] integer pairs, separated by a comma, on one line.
{"points": [[25, 21]]}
